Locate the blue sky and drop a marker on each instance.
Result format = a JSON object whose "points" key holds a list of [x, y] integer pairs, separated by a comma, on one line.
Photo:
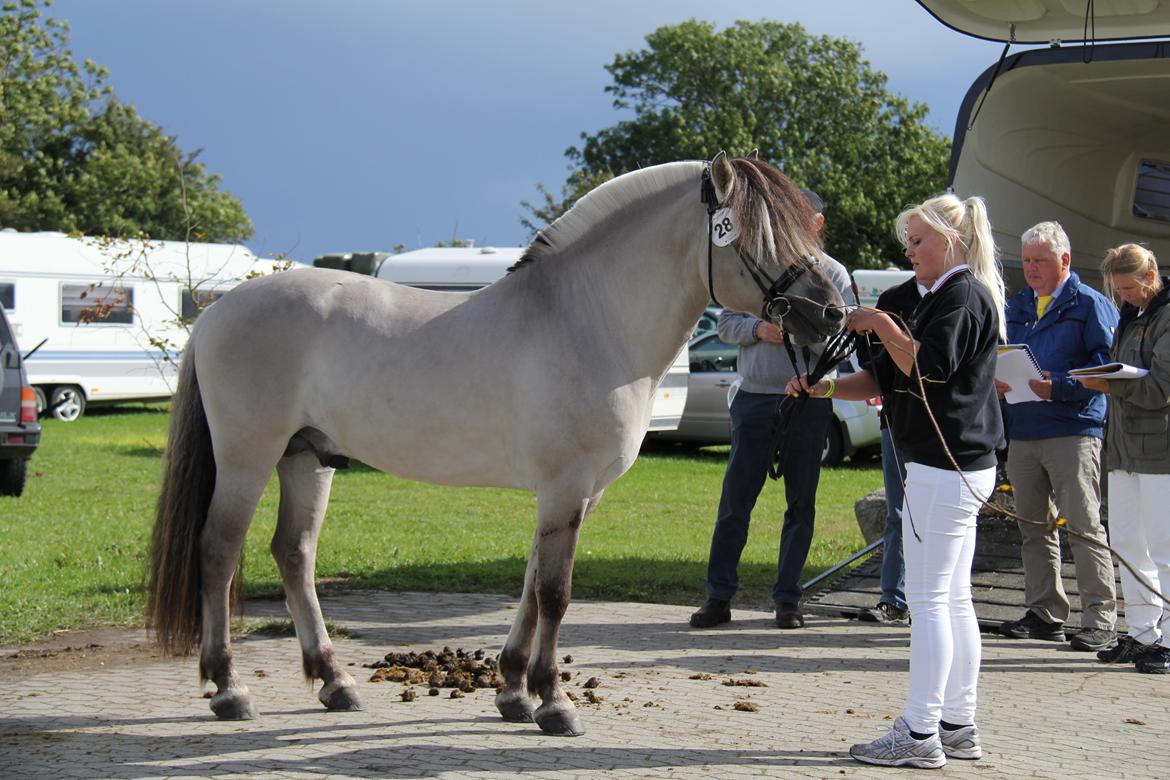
{"points": [[354, 125]]}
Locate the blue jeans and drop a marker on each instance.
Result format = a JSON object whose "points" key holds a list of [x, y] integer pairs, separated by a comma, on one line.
{"points": [[752, 418], [893, 562]]}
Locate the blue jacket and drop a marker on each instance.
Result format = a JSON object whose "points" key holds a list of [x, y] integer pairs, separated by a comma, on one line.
{"points": [[1076, 331]]}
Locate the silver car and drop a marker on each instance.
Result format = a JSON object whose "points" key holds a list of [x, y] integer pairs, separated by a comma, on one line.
{"points": [[705, 419]]}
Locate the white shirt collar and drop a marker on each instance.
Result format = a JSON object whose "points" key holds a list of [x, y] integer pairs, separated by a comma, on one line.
{"points": [[951, 272]]}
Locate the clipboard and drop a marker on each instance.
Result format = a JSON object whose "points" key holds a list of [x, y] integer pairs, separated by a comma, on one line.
{"points": [[1110, 371], [1015, 364]]}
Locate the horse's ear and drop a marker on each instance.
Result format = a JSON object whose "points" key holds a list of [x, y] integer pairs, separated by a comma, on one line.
{"points": [[722, 176], [754, 154]]}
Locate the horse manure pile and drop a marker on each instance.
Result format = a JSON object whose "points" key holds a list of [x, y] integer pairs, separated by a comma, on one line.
{"points": [[456, 669]]}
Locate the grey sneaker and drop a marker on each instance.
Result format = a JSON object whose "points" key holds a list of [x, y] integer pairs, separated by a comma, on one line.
{"points": [[1093, 639], [899, 748], [962, 743]]}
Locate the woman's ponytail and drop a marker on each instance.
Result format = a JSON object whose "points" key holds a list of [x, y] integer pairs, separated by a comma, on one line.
{"points": [[983, 257]]}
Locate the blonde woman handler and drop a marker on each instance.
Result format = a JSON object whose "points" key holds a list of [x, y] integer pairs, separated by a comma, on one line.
{"points": [[952, 339], [1137, 445]]}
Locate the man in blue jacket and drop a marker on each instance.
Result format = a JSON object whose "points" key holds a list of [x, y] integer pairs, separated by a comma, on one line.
{"points": [[1054, 452]]}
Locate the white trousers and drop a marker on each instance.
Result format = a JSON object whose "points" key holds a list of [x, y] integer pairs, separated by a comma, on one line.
{"points": [[938, 537], [1139, 529]]}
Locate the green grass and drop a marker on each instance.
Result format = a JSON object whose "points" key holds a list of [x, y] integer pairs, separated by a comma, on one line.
{"points": [[74, 546]]}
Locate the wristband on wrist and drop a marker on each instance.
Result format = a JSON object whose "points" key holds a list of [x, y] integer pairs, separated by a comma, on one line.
{"points": [[832, 388], [756, 329]]}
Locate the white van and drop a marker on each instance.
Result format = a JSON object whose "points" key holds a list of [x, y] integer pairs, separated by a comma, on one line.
{"points": [[101, 332], [463, 269], [1075, 133]]}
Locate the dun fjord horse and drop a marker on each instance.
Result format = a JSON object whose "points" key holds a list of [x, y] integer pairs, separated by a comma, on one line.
{"points": [[302, 369]]}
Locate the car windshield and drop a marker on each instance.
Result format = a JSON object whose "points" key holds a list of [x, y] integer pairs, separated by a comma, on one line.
{"points": [[708, 322]]}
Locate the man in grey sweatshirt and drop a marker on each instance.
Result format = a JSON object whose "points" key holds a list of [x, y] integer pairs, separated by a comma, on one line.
{"points": [[764, 370]]}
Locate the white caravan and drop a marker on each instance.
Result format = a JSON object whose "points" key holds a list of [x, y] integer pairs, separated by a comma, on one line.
{"points": [[1076, 133], [105, 312], [463, 269]]}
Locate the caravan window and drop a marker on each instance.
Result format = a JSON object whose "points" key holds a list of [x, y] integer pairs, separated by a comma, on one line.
{"points": [[8, 295], [189, 310], [87, 304], [1151, 197]]}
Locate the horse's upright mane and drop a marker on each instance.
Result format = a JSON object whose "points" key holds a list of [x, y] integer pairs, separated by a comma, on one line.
{"points": [[603, 201], [776, 221]]}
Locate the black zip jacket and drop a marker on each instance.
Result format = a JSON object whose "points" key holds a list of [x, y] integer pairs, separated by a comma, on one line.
{"points": [[957, 331]]}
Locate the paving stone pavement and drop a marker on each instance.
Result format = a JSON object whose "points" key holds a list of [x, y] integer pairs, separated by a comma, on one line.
{"points": [[1045, 710]]}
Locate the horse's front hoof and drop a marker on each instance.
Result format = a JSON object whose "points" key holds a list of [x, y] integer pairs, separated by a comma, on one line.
{"points": [[515, 707], [340, 697], [233, 705], [559, 720]]}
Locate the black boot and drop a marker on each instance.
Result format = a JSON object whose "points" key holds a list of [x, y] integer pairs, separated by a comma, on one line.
{"points": [[714, 612], [788, 615]]}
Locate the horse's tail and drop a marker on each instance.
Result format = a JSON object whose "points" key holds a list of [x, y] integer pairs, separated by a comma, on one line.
{"points": [[174, 603]]}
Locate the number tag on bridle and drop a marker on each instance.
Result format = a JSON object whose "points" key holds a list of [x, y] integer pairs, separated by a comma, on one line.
{"points": [[724, 228]]}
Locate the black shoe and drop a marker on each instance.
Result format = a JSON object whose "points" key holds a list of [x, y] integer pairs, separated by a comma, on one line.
{"points": [[886, 614], [1154, 661], [1092, 639], [714, 612], [1032, 626], [789, 616], [1128, 650]]}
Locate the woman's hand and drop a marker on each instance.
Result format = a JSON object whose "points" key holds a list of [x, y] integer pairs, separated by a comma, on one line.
{"points": [[799, 384], [1095, 383], [865, 320]]}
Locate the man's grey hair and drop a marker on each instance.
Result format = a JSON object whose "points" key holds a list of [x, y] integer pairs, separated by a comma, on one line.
{"points": [[1050, 233]]}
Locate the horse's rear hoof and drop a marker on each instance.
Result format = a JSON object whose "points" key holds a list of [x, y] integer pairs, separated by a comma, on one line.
{"points": [[559, 721], [340, 698], [515, 707], [233, 705]]}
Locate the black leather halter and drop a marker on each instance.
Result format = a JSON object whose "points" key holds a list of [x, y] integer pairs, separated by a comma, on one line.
{"points": [[776, 305]]}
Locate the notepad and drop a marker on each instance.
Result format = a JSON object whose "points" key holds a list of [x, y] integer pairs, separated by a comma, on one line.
{"points": [[1109, 371], [1015, 364]]}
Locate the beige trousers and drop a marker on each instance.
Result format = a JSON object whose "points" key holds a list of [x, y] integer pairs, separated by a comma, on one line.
{"points": [[1065, 470]]}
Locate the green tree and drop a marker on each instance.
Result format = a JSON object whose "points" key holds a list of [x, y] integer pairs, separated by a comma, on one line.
{"points": [[73, 158], [812, 105]]}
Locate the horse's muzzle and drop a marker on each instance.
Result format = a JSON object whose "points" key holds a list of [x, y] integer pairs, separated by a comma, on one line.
{"points": [[807, 321]]}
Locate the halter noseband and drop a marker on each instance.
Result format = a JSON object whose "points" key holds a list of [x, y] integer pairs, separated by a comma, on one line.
{"points": [[772, 289]]}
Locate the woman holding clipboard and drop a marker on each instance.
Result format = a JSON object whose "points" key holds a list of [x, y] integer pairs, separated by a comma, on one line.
{"points": [[1137, 446]]}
